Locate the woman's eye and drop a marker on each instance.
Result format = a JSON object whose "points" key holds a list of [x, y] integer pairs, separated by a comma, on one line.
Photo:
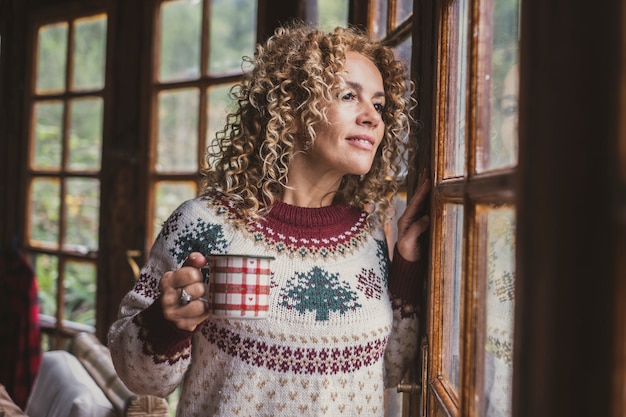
{"points": [[509, 111], [348, 96], [379, 107]]}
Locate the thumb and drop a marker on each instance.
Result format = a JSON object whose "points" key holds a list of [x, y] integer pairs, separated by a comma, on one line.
{"points": [[195, 259]]}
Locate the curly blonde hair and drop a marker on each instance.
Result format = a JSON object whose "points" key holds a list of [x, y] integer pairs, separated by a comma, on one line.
{"points": [[279, 105]]}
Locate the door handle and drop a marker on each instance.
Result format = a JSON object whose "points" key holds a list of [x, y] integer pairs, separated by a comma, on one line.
{"points": [[415, 387], [411, 388]]}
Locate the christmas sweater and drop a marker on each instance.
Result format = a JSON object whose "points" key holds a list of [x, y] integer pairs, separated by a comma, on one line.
{"points": [[341, 325]]}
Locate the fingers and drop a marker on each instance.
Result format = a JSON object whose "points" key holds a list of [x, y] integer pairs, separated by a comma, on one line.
{"points": [[185, 314], [418, 227], [422, 191], [408, 244], [414, 206], [195, 259], [413, 223], [186, 275], [189, 316]]}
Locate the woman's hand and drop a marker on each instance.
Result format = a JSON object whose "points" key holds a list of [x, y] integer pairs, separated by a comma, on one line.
{"points": [[188, 278], [411, 225]]}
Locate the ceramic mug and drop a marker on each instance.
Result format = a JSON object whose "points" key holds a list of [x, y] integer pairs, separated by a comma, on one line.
{"points": [[238, 285]]}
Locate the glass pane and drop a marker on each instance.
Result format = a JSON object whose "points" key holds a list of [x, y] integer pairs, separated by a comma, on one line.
{"points": [[403, 51], [219, 105], [48, 135], [177, 143], [452, 263], [51, 58], [89, 53], [232, 33], [454, 163], [82, 208], [44, 212], [47, 271], [499, 312], [332, 13], [501, 149], [168, 196], [404, 8], [379, 28], [181, 22], [85, 141], [79, 281]]}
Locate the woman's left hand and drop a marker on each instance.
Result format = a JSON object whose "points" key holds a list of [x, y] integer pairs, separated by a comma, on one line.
{"points": [[411, 224]]}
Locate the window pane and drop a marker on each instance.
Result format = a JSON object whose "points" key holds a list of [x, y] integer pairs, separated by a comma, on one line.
{"points": [[380, 18], [79, 281], [403, 51], [85, 141], [404, 8], [332, 13], [44, 212], [89, 53], [82, 201], [452, 263], [501, 149], [499, 311], [180, 40], [454, 163], [47, 271], [52, 58], [232, 34], [220, 104], [168, 196], [177, 143], [48, 138]]}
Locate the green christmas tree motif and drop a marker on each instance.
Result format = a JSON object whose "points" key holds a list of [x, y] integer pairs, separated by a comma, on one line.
{"points": [[200, 237], [319, 291], [382, 253]]}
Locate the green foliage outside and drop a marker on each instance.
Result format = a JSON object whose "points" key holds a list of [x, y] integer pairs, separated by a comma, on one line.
{"points": [[505, 37], [81, 198], [46, 269], [52, 58], [332, 13], [80, 292]]}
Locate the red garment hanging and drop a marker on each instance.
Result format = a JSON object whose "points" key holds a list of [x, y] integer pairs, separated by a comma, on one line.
{"points": [[20, 339]]}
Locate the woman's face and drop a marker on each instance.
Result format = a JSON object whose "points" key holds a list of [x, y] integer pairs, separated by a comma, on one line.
{"points": [[508, 108], [355, 129]]}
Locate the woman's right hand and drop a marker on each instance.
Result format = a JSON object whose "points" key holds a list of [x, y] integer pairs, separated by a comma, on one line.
{"points": [[188, 278]]}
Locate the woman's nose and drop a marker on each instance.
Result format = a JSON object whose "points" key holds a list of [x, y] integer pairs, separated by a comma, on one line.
{"points": [[369, 114]]}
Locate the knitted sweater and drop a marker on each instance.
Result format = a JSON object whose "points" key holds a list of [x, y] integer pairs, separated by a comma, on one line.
{"points": [[332, 341]]}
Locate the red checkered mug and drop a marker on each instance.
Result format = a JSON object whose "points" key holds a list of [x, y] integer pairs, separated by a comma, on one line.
{"points": [[238, 285]]}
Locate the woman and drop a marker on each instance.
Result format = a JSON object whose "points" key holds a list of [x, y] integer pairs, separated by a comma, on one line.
{"points": [[302, 172]]}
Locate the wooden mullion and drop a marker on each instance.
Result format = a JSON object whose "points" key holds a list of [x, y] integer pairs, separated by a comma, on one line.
{"points": [[205, 38], [205, 48], [392, 11]]}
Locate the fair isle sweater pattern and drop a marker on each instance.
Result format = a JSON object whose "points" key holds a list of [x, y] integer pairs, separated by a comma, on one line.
{"points": [[331, 331]]}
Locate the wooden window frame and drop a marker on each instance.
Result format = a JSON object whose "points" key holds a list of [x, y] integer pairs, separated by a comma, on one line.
{"points": [[470, 191], [543, 380], [57, 328]]}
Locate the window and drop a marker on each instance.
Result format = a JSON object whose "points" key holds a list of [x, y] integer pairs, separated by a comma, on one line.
{"points": [[470, 328], [63, 199], [199, 49], [463, 55]]}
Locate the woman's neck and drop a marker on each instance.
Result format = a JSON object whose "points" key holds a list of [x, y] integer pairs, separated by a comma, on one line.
{"points": [[309, 198], [309, 185]]}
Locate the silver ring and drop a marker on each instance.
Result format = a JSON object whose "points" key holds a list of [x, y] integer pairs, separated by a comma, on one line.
{"points": [[184, 298]]}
